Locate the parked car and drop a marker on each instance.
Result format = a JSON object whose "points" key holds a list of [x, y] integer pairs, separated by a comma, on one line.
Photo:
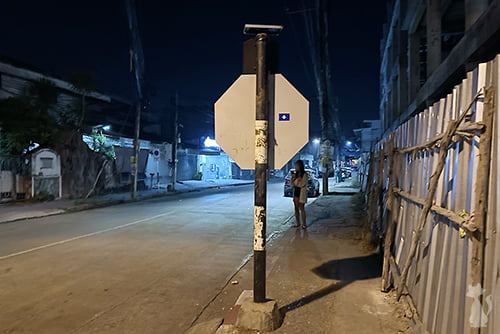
{"points": [[347, 172], [312, 184]]}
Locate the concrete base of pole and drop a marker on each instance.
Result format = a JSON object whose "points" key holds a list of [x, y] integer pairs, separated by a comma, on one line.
{"points": [[258, 316]]}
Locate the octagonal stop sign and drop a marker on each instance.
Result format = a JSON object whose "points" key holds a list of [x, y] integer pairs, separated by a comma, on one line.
{"points": [[235, 121]]}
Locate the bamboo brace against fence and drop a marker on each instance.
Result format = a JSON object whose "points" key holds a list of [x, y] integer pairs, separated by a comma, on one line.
{"points": [[390, 218], [444, 145], [482, 183]]}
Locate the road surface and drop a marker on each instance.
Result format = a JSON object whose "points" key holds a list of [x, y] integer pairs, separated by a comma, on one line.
{"points": [[144, 267]]}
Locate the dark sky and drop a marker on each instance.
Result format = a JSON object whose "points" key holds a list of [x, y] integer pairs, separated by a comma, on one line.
{"points": [[195, 47]]}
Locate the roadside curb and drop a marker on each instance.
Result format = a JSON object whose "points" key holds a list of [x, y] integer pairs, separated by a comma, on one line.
{"points": [[89, 206]]}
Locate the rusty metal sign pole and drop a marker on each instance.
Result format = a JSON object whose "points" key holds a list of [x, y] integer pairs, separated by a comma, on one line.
{"points": [[261, 165]]}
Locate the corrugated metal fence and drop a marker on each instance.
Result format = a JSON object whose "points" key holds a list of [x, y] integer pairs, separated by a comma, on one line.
{"points": [[434, 196]]}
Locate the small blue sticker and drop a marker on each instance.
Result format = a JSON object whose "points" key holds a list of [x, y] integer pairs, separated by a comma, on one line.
{"points": [[284, 116]]}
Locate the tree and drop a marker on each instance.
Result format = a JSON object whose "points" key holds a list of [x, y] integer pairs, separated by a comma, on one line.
{"points": [[29, 118], [84, 83]]}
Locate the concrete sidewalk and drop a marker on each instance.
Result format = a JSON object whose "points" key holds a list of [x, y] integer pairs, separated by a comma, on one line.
{"points": [[25, 210], [347, 187], [326, 279]]}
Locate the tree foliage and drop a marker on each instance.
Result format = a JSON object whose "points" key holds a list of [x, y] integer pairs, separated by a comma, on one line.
{"points": [[28, 118], [84, 83], [100, 145]]}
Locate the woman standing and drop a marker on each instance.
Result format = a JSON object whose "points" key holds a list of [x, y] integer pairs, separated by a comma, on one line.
{"points": [[299, 183]]}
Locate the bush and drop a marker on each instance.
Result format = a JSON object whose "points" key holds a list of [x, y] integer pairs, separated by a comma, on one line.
{"points": [[44, 196]]}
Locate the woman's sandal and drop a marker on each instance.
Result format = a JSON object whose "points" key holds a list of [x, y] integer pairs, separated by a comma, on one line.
{"points": [[295, 226], [304, 226]]}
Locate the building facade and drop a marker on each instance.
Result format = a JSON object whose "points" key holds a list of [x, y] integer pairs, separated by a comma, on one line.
{"points": [[427, 47]]}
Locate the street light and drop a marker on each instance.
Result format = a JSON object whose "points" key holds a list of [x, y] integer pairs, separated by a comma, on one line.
{"points": [[102, 127], [209, 142], [254, 29], [316, 141]]}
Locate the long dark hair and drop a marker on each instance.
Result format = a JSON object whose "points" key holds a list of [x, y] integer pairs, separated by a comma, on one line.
{"points": [[301, 170]]}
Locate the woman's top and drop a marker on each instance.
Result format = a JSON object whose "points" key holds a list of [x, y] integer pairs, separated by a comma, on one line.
{"points": [[301, 183]]}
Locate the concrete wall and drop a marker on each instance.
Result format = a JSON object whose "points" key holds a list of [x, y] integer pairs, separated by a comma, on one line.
{"points": [[215, 166], [160, 165], [187, 166], [428, 47]]}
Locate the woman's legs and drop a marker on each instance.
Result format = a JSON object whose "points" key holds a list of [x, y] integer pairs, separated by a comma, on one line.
{"points": [[296, 206], [303, 212]]}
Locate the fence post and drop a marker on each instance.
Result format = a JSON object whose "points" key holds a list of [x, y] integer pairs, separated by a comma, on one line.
{"points": [[480, 215], [379, 190], [369, 186], [390, 219]]}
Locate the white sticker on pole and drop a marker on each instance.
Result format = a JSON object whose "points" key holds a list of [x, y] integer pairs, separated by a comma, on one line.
{"points": [[261, 138], [259, 242]]}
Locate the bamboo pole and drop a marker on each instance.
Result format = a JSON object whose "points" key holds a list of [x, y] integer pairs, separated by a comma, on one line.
{"points": [[468, 129], [379, 191], [390, 219], [448, 214], [97, 178], [481, 203], [444, 144], [369, 186]]}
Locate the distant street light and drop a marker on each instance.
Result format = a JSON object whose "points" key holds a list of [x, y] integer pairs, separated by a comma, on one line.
{"points": [[316, 141], [348, 142], [101, 127], [209, 142]]}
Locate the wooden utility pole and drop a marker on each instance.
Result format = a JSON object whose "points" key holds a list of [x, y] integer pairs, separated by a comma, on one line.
{"points": [[175, 144], [329, 127], [137, 68]]}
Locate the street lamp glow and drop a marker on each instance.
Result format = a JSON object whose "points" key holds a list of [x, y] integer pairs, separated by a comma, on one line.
{"points": [[106, 127], [316, 141], [209, 142], [348, 142]]}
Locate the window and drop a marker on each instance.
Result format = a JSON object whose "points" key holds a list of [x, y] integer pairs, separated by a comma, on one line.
{"points": [[46, 163]]}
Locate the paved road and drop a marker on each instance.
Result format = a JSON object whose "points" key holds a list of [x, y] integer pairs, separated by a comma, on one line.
{"points": [[145, 267]]}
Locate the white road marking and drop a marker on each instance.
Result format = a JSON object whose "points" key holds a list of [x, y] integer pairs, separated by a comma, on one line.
{"points": [[61, 242]]}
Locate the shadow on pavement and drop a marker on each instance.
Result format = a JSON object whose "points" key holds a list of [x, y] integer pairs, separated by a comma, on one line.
{"points": [[351, 269], [312, 297], [345, 271]]}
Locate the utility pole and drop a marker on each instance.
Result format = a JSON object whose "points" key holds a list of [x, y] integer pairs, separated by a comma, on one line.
{"points": [[261, 161], [176, 142], [328, 114], [137, 67], [264, 55], [134, 159], [316, 27]]}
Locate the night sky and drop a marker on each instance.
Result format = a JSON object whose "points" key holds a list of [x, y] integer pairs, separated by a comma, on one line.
{"points": [[195, 47]]}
